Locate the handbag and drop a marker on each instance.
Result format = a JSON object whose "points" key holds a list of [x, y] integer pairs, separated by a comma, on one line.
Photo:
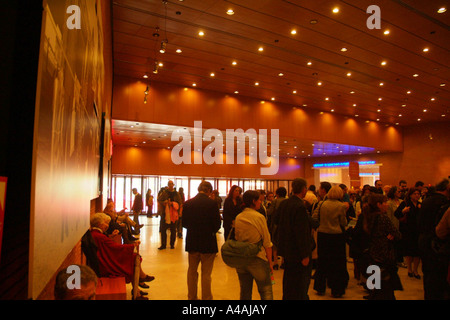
{"points": [[237, 254]]}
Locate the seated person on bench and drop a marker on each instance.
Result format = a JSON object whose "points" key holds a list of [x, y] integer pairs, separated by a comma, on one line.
{"points": [[115, 260]]}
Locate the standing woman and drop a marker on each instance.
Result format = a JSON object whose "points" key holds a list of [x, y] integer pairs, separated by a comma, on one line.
{"points": [[231, 208], [251, 226], [331, 245], [382, 235], [407, 214]]}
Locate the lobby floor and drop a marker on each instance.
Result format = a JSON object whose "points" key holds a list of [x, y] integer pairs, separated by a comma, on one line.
{"points": [[169, 266]]}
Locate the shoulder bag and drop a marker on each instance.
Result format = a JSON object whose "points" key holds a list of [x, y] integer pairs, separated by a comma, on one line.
{"points": [[237, 254]]}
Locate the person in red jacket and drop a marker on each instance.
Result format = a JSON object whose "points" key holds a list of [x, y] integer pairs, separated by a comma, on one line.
{"points": [[115, 260]]}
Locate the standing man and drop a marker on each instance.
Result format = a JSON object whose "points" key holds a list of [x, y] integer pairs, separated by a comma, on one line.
{"points": [[170, 201], [137, 209], [434, 269], [295, 243], [201, 218]]}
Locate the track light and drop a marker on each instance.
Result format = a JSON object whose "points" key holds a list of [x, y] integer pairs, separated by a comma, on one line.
{"points": [[163, 46], [156, 68]]}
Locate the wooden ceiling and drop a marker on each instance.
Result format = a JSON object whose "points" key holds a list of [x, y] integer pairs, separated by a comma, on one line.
{"points": [[308, 69]]}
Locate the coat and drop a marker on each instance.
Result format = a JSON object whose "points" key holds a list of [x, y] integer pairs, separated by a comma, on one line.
{"points": [[201, 218]]}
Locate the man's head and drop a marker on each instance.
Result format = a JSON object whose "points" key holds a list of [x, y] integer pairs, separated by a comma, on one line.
{"points": [[134, 191], [444, 187], [324, 187], [299, 187], [170, 184], [205, 187], [378, 184], [65, 284], [403, 185]]}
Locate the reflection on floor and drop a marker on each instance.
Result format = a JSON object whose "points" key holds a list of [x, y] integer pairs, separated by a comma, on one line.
{"points": [[169, 266]]}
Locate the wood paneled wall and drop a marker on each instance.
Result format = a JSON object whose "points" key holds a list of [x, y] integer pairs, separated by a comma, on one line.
{"points": [[169, 104]]}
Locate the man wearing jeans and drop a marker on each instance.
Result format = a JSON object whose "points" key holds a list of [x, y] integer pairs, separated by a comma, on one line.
{"points": [[295, 243], [201, 219]]}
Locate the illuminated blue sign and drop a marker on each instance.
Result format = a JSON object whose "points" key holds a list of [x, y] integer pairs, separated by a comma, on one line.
{"points": [[340, 164]]}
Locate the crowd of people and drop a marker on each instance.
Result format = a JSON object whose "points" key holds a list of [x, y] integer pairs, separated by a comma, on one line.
{"points": [[308, 230]]}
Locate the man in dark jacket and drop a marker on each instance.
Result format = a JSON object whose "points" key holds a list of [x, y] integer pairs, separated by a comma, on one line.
{"points": [[434, 269], [295, 243], [201, 219]]}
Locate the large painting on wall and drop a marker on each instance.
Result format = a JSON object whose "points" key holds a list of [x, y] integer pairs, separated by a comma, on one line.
{"points": [[67, 136]]}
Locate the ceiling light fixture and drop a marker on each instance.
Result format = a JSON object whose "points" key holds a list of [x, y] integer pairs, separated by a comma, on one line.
{"points": [[234, 63], [178, 51], [344, 49], [163, 46], [383, 63], [230, 12], [386, 32], [442, 10], [293, 31], [201, 33], [260, 49], [335, 10], [309, 63], [426, 49]]}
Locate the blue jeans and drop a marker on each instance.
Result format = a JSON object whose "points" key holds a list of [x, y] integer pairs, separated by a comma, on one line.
{"points": [[259, 270]]}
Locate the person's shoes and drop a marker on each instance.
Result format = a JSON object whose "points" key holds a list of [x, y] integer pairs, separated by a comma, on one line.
{"points": [[141, 298], [335, 295], [141, 293], [320, 293], [172, 247], [416, 276], [143, 285], [161, 248], [147, 279]]}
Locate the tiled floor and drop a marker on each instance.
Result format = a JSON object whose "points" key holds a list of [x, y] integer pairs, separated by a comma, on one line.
{"points": [[169, 266]]}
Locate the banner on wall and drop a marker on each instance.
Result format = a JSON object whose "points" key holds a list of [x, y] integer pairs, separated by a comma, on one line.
{"points": [[3, 181]]}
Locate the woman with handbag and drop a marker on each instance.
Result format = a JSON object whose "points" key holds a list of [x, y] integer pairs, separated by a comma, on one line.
{"points": [[251, 226]]}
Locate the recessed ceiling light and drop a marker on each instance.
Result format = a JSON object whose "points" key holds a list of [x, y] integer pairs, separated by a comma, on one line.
{"points": [[201, 33], [194, 84], [408, 92], [319, 83], [344, 49], [256, 83], [309, 63], [415, 75], [383, 63], [354, 104], [442, 85], [381, 84], [403, 105], [400, 115], [293, 31], [442, 115], [281, 74], [234, 63], [432, 99], [335, 10], [145, 76], [160, 64], [349, 74], [294, 91], [426, 49], [326, 99], [379, 110], [419, 119], [260, 49], [379, 99], [386, 32], [236, 92], [273, 98], [352, 92], [425, 110], [230, 12], [212, 74], [442, 10], [178, 51]]}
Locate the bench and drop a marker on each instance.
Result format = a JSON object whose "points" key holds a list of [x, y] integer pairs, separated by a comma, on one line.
{"points": [[111, 289]]}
